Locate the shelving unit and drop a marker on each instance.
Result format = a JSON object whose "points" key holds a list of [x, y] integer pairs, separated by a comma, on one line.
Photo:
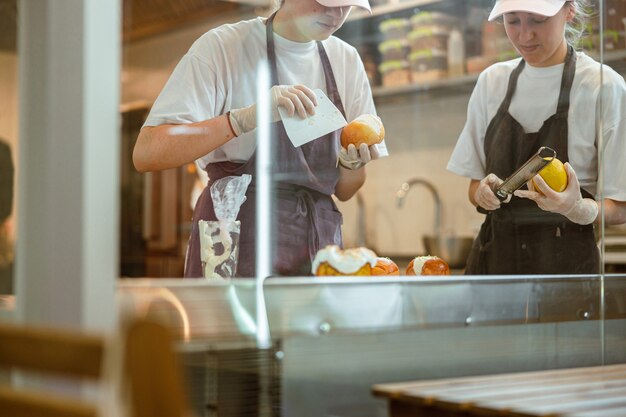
{"points": [[381, 91], [392, 7]]}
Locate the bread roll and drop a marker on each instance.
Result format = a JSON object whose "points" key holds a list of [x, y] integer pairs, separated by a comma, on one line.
{"points": [[332, 261], [366, 128], [427, 265], [385, 266]]}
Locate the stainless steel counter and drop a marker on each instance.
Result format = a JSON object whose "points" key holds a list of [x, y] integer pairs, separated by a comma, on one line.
{"points": [[225, 311], [332, 338]]}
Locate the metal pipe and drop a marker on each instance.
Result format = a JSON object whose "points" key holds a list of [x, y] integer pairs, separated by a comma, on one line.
{"points": [[406, 186]]}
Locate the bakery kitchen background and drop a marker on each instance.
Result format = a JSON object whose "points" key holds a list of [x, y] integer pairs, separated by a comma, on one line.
{"points": [[422, 58]]}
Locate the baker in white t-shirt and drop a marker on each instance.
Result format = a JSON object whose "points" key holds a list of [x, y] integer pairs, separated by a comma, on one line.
{"points": [[207, 113], [553, 97]]}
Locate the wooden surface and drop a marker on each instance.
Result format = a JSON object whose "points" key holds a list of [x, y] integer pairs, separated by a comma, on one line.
{"points": [[578, 392], [53, 352], [141, 359]]}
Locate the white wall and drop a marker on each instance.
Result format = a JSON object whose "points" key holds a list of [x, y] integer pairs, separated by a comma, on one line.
{"points": [[421, 131]]}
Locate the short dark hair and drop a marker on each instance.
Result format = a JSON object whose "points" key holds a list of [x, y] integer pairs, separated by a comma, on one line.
{"points": [[7, 172]]}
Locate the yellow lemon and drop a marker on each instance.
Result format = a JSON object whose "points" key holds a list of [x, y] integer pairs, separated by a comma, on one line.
{"points": [[555, 175]]}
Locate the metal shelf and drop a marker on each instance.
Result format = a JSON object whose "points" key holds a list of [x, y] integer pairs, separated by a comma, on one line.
{"points": [[381, 91], [392, 7]]}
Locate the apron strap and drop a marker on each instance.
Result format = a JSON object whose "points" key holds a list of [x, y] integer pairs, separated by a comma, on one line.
{"points": [[510, 91], [567, 80]]}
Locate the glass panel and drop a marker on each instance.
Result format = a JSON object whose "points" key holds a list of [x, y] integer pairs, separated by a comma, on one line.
{"points": [[533, 299], [8, 142]]}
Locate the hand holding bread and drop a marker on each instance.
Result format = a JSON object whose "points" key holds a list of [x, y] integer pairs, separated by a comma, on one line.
{"points": [[359, 139]]}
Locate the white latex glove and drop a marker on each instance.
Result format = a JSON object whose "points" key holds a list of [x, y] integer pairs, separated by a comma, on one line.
{"points": [[293, 98], [485, 196], [352, 159], [569, 203]]}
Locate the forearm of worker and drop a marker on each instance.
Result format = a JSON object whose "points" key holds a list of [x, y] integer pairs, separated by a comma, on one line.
{"points": [[471, 192], [170, 146], [350, 180], [614, 212]]}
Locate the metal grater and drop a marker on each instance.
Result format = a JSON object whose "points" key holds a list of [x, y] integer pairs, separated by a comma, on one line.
{"points": [[529, 169]]}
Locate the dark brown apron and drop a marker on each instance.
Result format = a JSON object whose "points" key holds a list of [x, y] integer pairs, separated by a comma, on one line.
{"points": [[305, 215], [519, 237]]}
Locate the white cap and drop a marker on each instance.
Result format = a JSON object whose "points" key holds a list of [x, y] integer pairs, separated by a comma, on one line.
{"points": [[541, 7], [363, 4]]}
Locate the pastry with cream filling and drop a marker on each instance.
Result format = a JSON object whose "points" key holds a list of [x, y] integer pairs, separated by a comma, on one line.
{"points": [[333, 261], [385, 266], [367, 128], [427, 265]]}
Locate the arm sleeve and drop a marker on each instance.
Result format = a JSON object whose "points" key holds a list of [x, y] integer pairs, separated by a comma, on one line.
{"points": [[191, 94], [614, 139], [468, 157]]}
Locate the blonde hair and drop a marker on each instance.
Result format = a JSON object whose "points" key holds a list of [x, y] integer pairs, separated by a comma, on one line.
{"points": [[578, 27]]}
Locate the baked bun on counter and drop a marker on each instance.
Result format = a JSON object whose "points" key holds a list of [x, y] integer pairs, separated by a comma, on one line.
{"points": [[385, 266], [333, 261], [427, 265], [367, 128]]}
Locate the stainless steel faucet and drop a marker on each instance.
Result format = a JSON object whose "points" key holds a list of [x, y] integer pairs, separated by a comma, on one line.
{"points": [[406, 186]]}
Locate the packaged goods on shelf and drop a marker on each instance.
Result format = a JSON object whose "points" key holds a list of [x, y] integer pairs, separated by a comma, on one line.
{"points": [[395, 28], [428, 65], [433, 18], [394, 49], [456, 54], [395, 73], [369, 63], [429, 37]]}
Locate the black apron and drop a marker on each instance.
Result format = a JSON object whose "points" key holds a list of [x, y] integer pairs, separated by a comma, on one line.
{"points": [[305, 215], [519, 237]]}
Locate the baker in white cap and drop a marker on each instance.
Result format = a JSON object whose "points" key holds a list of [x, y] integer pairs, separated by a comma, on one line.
{"points": [[207, 113], [551, 96]]}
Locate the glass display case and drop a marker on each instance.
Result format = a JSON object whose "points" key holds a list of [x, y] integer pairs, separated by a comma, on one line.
{"points": [[281, 341]]}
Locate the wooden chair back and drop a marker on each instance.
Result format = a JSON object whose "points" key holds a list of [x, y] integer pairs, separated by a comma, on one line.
{"points": [[51, 352], [142, 357]]}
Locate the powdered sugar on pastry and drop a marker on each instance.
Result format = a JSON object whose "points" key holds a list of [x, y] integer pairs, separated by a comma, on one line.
{"points": [[418, 263], [346, 261]]}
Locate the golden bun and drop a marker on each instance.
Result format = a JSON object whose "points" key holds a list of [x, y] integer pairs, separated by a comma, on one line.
{"points": [[428, 265], [367, 128], [333, 261], [385, 266]]}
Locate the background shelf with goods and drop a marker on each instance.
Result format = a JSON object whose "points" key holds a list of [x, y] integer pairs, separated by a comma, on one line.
{"points": [[418, 45]]}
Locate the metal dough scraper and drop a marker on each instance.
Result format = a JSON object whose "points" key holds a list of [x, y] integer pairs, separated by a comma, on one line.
{"points": [[327, 118]]}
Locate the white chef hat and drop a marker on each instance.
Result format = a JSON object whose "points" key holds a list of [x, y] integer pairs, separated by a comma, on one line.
{"points": [[541, 7], [363, 4]]}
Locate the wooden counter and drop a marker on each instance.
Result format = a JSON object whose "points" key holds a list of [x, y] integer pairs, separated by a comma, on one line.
{"points": [[578, 392]]}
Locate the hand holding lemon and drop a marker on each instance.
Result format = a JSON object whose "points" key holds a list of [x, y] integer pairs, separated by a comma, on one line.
{"points": [[568, 202], [554, 174]]}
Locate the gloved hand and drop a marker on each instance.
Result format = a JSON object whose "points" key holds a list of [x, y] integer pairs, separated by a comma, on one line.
{"points": [[352, 159], [485, 196], [569, 203], [293, 98]]}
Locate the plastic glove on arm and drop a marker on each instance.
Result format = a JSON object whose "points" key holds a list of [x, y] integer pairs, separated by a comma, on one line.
{"points": [[570, 203], [351, 158], [293, 98]]}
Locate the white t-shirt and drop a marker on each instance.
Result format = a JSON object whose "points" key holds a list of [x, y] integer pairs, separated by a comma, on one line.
{"points": [[218, 73], [534, 101]]}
